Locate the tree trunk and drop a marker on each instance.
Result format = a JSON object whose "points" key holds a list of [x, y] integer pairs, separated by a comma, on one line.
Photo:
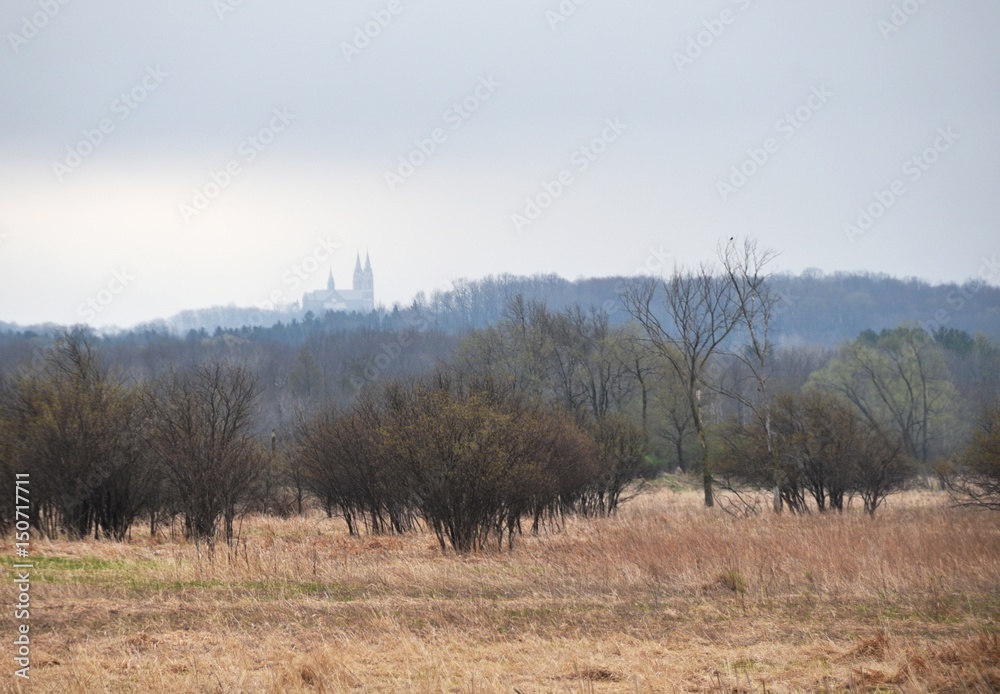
{"points": [[707, 480], [645, 397], [706, 468]]}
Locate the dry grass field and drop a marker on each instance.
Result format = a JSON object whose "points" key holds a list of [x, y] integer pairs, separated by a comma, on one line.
{"points": [[667, 597]]}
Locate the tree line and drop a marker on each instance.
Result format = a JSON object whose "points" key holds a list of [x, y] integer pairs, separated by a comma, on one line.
{"points": [[479, 437], [469, 456]]}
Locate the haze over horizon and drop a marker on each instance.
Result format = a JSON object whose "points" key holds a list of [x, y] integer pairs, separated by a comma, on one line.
{"points": [[193, 154]]}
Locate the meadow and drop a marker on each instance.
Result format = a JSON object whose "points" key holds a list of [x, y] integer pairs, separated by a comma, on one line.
{"points": [[665, 597]]}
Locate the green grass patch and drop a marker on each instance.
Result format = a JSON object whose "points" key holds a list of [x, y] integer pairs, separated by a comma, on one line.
{"points": [[78, 564], [83, 569], [733, 580], [133, 575]]}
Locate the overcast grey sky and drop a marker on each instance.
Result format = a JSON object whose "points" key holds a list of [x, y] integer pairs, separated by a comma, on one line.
{"points": [[235, 141]]}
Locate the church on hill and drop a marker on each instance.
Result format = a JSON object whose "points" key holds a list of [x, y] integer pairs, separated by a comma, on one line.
{"points": [[360, 298]]}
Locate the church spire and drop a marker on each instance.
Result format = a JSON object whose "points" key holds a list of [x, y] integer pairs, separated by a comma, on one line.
{"points": [[368, 264], [329, 281], [359, 275]]}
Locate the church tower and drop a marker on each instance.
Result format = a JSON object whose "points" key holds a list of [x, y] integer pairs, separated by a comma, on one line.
{"points": [[369, 278], [359, 275], [364, 282]]}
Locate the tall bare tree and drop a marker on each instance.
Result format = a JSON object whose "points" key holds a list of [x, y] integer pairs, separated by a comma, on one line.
{"points": [[687, 318], [745, 268]]}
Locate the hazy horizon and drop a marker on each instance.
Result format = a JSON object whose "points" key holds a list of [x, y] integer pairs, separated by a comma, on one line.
{"points": [[264, 310], [654, 131]]}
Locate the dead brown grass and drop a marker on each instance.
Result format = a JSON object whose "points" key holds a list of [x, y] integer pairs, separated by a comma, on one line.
{"points": [[667, 597]]}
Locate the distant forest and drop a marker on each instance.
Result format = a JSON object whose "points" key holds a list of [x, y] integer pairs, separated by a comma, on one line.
{"points": [[814, 309]]}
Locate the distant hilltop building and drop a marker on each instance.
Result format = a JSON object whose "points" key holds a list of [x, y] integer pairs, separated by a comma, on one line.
{"points": [[361, 298]]}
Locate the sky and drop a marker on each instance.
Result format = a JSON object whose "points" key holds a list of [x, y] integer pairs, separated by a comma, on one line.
{"points": [[162, 156]]}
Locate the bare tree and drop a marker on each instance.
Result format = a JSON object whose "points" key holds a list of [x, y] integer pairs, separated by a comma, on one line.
{"points": [[605, 376], [622, 449], [880, 466], [202, 438], [341, 461], [687, 318], [574, 357], [639, 362], [676, 427], [745, 268]]}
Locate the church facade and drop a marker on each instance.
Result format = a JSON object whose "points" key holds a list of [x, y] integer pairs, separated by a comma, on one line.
{"points": [[360, 298]]}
